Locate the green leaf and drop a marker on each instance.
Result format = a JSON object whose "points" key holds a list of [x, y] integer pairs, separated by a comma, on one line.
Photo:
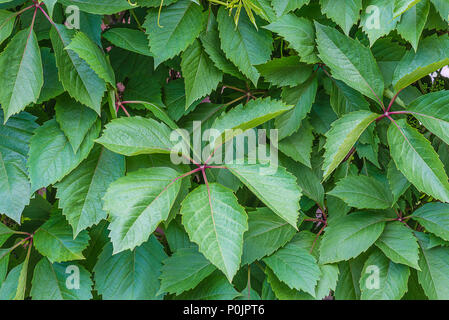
{"points": [[344, 99], [388, 54], [137, 203], [443, 153], [267, 233], [247, 46], [52, 87], [50, 4], [74, 119], [300, 34], [144, 89], [399, 245], [89, 51], [413, 22], [210, 40], [378, 19], [154, 3], [249, 294], [353, 233], [434, 264], [98, 239], [428, 240], [201, 77], [284, 6], [184, 270], [99, 6], [7, 20], [17, 131], [160, 114], [432, 110], [177, 237], [431, 56], [349, 61], [336, 208], [90, 24], [245, 117], [5, 233], [285, 71], [22, 75], [348, 287], [14, 286], [442, 7], [267, 185], [216, 222], [435, 218], [307, 179], [398, 183], [302, 97], [15, 189], [214, 287], [415, 291], [299, 145], [50, 281], [129, 39], [175, 99], [383, 279], [51, 156], [342, 136], [80, 192], [4, 262], [296, 267], [130, 275], [75, 74], [179, 25], [401, 6], [54, 240], [328, 281], [363, 192], [345, 13], [417, 160], [282, 291], [435, 241], [266, 10], [136, 135]]}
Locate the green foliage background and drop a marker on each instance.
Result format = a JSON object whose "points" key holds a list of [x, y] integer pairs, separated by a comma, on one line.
{"points": [[87, 189]]}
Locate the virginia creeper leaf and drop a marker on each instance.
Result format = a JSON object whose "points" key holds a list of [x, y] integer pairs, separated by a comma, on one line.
{"points": [[216, 222]]}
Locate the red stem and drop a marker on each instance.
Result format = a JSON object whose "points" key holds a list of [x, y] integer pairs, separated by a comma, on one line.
{"points": [[16, 245], [185, 175], [32, 22], [213, 152], [387, 114], [317, 236], [323, 211], [215, 167], [393, 100], [48, 17], [15, 15], [176, 179], [315, 220], [124, 110], [350, 153], [233, 88], [203, 171], [400, 112], [132, 102]]}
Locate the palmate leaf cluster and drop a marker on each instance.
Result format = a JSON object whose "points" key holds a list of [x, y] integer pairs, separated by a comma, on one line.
{"points": [[87, 186]]}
